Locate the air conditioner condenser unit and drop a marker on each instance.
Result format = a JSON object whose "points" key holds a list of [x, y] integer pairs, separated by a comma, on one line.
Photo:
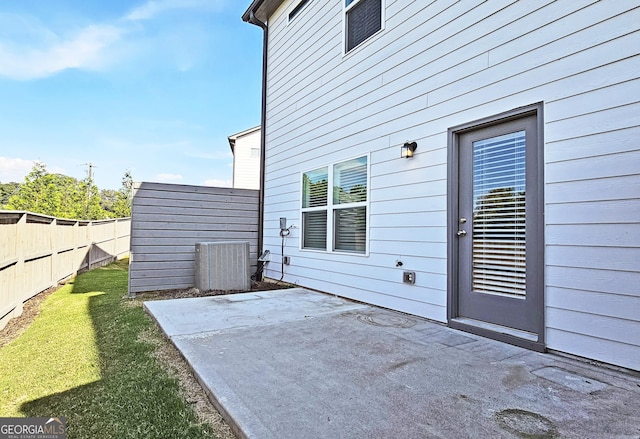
{"points": [[223, 266]]}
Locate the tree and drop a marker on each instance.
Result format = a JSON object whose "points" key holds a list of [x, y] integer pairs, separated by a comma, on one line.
{"points": [[7, 190], [108, 200], [92, 202], [32, 195], [57, 195], [125, 196], [66, 197], [117, 204]]}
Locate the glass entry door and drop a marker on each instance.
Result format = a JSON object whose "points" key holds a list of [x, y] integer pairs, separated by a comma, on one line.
{"points": [[497, 220]]}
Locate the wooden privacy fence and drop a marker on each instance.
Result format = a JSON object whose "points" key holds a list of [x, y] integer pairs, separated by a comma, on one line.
{"points": [[167, 220], [38, 251]]}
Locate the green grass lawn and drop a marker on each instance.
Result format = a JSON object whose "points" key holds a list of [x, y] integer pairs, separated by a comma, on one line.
{"points": [[87, 357]]}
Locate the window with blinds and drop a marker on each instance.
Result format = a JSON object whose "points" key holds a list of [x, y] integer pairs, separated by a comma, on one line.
{"points": [[346, 208], [499, 201], [315, 186], [363, 18], [349, 198], [314, 225]]}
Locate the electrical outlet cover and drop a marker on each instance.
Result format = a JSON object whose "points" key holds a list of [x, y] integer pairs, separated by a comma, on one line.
{"points": [[409, 277]]}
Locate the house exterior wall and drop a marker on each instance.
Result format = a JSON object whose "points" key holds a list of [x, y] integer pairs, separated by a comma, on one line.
{"points": [[246, 160], [437, 65]]}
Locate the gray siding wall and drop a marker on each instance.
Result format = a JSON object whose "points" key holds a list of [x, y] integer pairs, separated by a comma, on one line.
{"points": [[440, 64], [169, 219]]}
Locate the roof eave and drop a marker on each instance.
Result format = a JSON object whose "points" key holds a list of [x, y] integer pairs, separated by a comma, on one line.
{"points": [[261, 9], [233, 137]]}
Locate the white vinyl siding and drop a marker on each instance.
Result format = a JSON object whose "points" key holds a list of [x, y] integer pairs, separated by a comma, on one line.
{"points": [[246, 160], [441, 64]]}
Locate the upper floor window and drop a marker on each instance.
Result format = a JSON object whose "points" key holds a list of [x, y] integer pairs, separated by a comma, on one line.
{"points": [[363, 18], [299, 7]]}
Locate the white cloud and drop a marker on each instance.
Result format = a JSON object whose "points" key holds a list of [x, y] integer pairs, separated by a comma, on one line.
{"points": [[31, 48], [47, 56], [166, 178], [218, 182], [14, 169], [153, 8]]}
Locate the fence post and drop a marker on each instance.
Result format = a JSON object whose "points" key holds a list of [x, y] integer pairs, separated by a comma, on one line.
{"points": [[90, 245], [74, 256], [19, 283], [115, 240], [53, 242]]}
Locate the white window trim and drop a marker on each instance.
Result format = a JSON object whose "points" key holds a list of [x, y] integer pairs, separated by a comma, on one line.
{"points": [[300, 11], [329, 208], [368, 41]]}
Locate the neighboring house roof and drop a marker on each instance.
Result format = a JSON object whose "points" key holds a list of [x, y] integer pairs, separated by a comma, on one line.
{"points": [[261, 9], [233, 137]]}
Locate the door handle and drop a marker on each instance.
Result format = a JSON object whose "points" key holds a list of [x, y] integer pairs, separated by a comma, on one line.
{"points": [[462, 233]]}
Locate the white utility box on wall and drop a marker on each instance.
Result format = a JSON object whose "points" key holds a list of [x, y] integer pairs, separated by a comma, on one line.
{"points": [[223, 265]]}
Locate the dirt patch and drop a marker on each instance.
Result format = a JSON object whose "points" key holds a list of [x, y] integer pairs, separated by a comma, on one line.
{"points": [[194, 292]]}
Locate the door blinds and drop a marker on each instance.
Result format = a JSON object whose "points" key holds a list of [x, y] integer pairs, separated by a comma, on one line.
{"points": [[499, 215]]}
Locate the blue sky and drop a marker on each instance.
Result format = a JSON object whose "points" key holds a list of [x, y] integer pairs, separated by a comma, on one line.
{"points": [[154, 87]]}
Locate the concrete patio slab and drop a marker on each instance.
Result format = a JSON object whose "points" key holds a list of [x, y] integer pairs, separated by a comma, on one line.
{"points": [[300, 364]]}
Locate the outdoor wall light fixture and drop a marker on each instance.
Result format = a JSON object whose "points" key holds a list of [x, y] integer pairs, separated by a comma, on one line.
{"points": [[408, 149]]}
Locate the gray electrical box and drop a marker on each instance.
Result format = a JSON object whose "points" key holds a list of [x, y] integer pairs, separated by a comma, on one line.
{"points": [[409, 277]]}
